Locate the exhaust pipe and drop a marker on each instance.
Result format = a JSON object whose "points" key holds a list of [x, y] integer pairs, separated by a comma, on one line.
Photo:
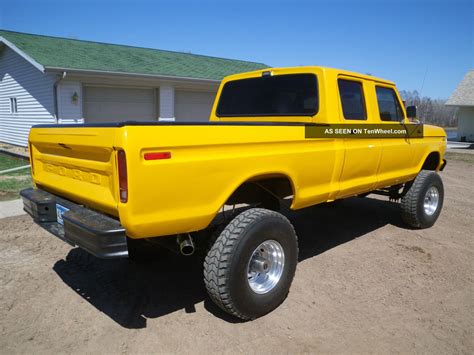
{"points": [[186, 244]]}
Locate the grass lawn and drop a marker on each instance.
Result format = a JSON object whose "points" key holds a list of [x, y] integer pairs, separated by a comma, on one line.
{"points": [[8, 162], [12, 183]]}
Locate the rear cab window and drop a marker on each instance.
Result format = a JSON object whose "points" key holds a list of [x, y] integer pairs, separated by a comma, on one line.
{"points": [[388, 104], [351, 93], [276, 95]]}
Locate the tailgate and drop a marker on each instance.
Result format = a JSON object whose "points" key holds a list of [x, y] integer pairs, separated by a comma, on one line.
{"points": [[77, 163]]}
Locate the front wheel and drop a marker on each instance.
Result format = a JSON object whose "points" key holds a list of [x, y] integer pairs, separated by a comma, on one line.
{"points": [[423, 201], [249, 269]]}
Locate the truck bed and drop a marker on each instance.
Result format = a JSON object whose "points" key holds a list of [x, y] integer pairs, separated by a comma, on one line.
{"points": [[185, 192]]}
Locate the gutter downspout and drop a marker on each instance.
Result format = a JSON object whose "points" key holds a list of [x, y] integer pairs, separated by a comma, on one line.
{"points": [[55, 94]]}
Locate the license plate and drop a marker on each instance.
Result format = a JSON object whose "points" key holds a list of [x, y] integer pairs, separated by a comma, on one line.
{"points": [[60, 210]]}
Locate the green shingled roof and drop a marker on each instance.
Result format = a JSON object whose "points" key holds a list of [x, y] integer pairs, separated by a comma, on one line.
{"points": [[54, 52]]}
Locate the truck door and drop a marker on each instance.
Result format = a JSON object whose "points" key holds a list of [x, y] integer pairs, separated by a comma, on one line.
{"points": [[362, 155], [397, 154]]}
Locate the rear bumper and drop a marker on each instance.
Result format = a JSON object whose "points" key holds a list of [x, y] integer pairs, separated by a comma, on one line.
{"points": [[94, 232]]}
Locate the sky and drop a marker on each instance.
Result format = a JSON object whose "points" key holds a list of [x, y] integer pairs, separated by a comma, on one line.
{"points": [[420, 45]]}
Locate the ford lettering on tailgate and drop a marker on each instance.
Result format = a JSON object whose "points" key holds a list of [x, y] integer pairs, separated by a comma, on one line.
{"points": [[73, 173]]}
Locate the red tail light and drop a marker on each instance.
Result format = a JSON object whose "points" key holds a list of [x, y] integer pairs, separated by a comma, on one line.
{"points": [[122, 175]]}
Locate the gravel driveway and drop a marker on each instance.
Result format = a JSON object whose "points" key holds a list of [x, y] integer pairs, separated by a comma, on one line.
{"points": [[365, 283]]}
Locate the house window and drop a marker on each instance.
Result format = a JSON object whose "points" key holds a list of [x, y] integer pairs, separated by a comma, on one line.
{"points": [[352, 99], [13, 105]]}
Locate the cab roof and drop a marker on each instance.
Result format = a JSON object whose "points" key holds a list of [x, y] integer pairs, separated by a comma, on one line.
{"points": [[305, 69]]}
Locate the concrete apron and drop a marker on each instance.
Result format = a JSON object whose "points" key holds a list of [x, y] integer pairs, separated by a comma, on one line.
{"points": [[11, 208]]}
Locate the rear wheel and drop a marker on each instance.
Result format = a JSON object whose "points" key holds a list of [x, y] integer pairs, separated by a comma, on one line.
{"points": [[249, 269], [422, 204]]}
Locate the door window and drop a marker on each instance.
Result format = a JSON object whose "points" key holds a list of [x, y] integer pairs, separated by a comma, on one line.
{"points": [[352, 99], [389, 107]]}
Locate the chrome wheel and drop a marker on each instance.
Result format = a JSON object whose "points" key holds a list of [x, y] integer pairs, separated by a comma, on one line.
{"points": [[430, 204], [266, 266]]}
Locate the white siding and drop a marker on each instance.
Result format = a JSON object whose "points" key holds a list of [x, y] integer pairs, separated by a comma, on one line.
{"points": [[166, 103], [34, 92], [465, 117], [69, 111]]}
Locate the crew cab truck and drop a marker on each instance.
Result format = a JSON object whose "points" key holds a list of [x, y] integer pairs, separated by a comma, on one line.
{"points": [[103, 187]]}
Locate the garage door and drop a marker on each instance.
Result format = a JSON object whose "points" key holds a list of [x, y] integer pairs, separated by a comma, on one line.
{"points": [[193, 105], [108, 104]]}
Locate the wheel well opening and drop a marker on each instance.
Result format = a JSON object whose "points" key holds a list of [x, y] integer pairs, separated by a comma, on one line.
{"points": [[431, 161], [267, 191]]}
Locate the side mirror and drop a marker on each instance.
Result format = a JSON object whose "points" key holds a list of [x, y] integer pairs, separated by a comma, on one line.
{"points": [[411, 111]]}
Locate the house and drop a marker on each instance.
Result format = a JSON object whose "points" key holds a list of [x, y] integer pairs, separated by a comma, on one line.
{"points": [[463, 99], [58, 80]]}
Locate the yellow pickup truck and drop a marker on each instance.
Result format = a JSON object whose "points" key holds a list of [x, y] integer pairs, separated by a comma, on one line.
{"points": [[105, 187]]}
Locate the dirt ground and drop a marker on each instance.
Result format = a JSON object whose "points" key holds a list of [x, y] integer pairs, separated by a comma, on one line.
{"points": [[365, 284]]}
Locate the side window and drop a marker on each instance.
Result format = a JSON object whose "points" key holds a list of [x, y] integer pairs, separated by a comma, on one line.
{"points": [[13, 105], [389, 107], [352, 99]]}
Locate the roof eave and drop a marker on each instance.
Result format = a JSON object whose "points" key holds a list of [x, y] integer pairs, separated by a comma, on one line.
{"points": [[22, 54], [137, 75], [459, 105]]}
